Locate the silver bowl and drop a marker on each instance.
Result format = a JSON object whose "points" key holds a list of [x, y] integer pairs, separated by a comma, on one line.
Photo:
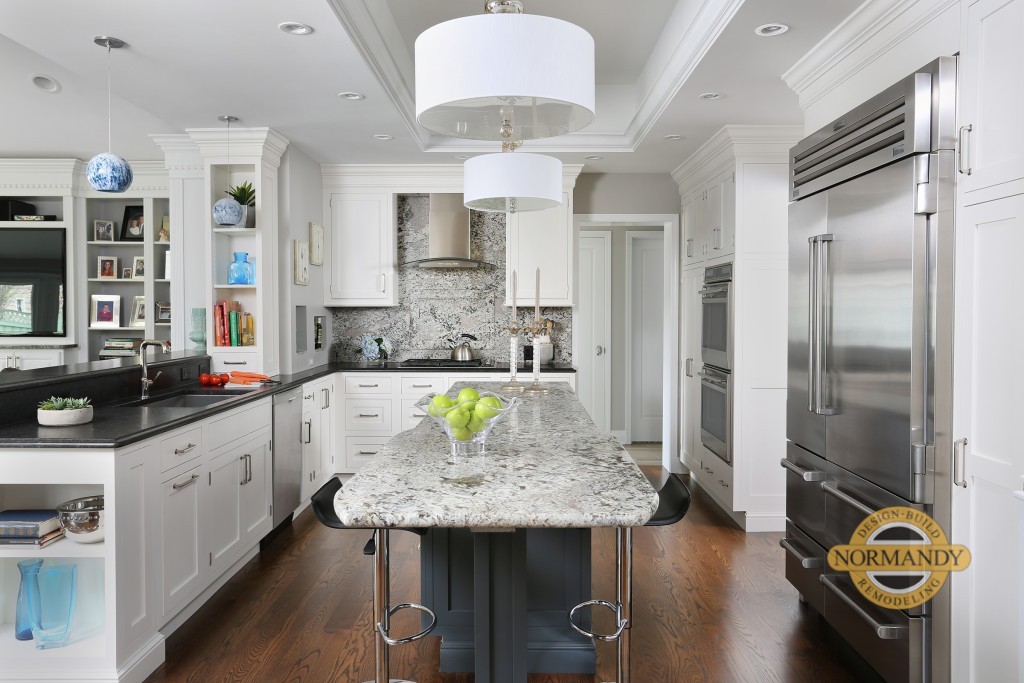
{"points": [[82, 519]]}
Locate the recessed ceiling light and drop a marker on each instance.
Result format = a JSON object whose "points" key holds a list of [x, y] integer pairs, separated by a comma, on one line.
{"points": [[673, 137], [45, 83], [295, 28], [708, 96], [461, 157], [769, 30], [349, 95], [592, 157], [383, 136]]}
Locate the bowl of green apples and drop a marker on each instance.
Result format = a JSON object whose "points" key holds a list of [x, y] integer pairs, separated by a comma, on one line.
{"points": [[468, 418]]}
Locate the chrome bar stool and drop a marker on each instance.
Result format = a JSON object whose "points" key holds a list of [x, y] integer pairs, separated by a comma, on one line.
{"points": [[379, 547], [673, 502]]}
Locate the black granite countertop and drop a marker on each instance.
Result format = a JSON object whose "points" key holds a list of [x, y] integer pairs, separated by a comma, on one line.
{"points": [[398, 367]]}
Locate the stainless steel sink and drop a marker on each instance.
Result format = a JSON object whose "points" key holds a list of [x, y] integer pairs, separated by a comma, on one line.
{"points": [[199, 399]]}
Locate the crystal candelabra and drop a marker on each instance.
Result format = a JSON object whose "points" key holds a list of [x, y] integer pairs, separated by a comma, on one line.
{"points": [[513, 386], [537, 328]]}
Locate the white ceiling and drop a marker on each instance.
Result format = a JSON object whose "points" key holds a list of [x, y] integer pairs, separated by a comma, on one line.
{"points": [[189, 61]]}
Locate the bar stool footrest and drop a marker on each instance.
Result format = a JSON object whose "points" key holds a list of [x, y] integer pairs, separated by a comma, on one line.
{"points": [[408, 639], [614, 607]]}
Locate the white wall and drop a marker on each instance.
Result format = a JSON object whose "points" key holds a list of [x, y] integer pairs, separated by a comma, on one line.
{"points": [[604, 193], [301, 201]]}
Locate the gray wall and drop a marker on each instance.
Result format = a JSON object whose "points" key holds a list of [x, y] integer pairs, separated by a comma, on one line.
{"points": [[436, 304], [301, 201], [625, 193]]}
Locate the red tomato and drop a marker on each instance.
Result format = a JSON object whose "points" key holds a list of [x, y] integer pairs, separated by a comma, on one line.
{"points": [[225, 378], [204, 378], [215, 380]]}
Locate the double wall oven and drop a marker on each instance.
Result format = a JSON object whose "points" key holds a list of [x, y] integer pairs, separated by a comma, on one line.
{"points": [[716, 356]]}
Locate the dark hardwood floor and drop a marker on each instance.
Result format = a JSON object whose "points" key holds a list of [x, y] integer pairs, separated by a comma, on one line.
{"points": [[711, 603]]}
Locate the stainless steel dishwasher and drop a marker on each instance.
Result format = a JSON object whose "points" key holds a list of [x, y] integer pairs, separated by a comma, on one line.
{"points": [[287, 454]]}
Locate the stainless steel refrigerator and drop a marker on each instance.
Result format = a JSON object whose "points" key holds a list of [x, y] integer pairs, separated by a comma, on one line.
{"points": [[870, 351]]}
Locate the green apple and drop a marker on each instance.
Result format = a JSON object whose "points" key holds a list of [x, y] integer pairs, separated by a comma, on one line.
{"points": [[476, 424], [492, 401], [458, 418], [468, 394], [439, 405], [462, 434], [484, 410]]}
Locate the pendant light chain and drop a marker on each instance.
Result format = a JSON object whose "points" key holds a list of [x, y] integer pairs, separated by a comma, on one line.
{"points": [[110, 141]]}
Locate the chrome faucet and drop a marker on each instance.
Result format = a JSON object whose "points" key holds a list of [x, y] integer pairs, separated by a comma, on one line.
{"points": [[146, 381]]}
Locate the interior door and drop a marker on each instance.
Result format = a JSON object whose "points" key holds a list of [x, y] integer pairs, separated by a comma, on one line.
{"points": [[646, 291], [593, 325]]}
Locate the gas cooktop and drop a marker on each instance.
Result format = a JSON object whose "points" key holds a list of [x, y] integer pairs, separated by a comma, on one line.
{"points": [[441, 363]]}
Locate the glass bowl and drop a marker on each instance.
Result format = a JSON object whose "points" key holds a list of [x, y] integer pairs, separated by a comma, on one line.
{"points": [[468, 423]]}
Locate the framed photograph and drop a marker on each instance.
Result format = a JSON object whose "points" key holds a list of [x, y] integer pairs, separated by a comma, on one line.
{"points": [[105, 311], [103, 231], [301, 262], [126, 273], [138, 267], [316, 244], [163, 311], [133, 227], [106, 267], [138, 317]]}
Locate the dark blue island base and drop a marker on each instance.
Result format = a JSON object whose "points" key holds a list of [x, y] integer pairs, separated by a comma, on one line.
{"points": [[502, 600]]}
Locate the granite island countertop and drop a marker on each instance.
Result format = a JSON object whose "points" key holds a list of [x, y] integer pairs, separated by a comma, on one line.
{"points": [[546, 465]]}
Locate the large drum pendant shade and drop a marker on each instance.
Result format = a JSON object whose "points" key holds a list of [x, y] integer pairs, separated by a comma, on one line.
{"points": [[476, 72], [512, 182]]}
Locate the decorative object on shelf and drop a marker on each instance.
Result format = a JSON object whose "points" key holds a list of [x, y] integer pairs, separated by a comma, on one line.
{"points": [[82, 519], [545, 86], [318, 332], [106, 267], [301, 262], [138, 316], [105, 311], [375, 348], [168, 267], [27, 610], [316, 244], [468, 419], [163, 311], [240, 271], [103, 231], [62, 412], [245, 195], [228, 212], [133, 226], [126, 273], [107, 172], [198, 334], [57, 589], [139, 267], [165, 230]]}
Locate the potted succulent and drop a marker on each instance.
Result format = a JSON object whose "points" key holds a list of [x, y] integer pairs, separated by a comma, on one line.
{"points": [[245, 195], [58, 412]]}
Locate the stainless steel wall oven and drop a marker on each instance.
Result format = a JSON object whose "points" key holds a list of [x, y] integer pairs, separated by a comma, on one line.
{"points": [[716, 317]]}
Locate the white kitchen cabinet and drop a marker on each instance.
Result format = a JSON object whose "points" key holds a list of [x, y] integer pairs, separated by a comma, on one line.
{"points": [[318, 429], [709, 219], [256, 489], [30, 359], [359, 450], [183, 559], [541, 239], [362, 245], [136, 484], [689, 336], [222, 508], [991, 99]]}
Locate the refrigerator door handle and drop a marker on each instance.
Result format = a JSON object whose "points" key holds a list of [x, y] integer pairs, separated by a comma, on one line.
{"points": [[883, 631], [812, 321], [922, 355], [848, 499], [818, 319]]}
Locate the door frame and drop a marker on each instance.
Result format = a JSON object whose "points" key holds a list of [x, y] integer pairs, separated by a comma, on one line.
{"points": [[670, 330], [606, 238], [631, 238]]}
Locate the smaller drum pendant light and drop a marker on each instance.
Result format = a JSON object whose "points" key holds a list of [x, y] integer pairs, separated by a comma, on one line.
{"points": [[107, 172], [227, 211], [506, 182]]}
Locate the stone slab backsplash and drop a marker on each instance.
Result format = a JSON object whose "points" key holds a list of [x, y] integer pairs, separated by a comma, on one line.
{"points": [[434, 305]]}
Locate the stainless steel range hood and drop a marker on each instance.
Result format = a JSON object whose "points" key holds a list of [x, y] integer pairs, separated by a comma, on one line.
{"points": [[448, 235]]}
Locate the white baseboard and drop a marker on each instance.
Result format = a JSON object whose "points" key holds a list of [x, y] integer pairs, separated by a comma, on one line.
{"points": [[144, 662], [763, 521], [620, 435], [653, 459]]}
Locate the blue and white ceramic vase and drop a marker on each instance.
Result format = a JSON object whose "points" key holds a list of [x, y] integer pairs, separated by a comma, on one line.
{"points": [[240, 271], [109, 173], [228, 213]]}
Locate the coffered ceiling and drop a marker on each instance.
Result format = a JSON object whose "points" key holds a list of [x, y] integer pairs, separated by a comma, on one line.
{"points": [[190, 60]]}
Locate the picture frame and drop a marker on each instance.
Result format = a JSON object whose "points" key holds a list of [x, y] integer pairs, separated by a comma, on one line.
{"points": [[301, 262], [126, 273], [105, 311], [138, 267], [316, 244], [163, 311], [103, 231], [133, 227], [138, 316], [106, 267]]}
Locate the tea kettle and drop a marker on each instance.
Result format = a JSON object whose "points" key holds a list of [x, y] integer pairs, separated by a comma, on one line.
{"points": [[462, 351]]}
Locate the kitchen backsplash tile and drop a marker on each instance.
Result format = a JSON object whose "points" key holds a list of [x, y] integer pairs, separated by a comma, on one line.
{"points": [[434, 305]]}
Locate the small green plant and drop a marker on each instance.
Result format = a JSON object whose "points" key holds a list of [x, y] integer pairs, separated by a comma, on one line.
{"points": [[243, 193], [54, 403]]}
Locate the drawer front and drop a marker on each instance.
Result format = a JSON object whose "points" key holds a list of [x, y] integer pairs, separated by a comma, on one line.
{"points": [[411, 415], [368, 415], [474, 380], [849, 499], [228, 361], [805, 499], [359, 450], [716, 477], [182, 447], [238, 424], [368, 384], [805, 561], [421, 385]]}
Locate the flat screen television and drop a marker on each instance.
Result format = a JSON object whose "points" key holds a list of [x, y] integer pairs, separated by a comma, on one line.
{"points": [[33, 282]]}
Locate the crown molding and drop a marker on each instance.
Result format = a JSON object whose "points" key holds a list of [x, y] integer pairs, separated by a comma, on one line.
{"points": [[729, 144], [239, 144], [410, 178]]}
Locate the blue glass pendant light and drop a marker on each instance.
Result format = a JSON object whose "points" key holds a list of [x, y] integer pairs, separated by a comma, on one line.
{"points": [[108, 172]]}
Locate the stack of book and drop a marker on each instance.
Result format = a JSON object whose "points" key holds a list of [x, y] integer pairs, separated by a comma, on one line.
{"points": [[120, 346], [37, 528], [232, 326]]}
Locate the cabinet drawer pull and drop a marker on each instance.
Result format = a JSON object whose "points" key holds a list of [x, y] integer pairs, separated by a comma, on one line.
{"points": [[236, 362], [416, 416], [178, 487], [369, 415], [367, 452], [722, 482], [186, 449], [805, 474], [368, 386], [806, 561], [422, 386], [883, 631]]}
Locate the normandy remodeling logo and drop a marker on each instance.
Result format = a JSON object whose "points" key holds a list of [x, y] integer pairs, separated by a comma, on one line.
{"points": [[899, 558]]}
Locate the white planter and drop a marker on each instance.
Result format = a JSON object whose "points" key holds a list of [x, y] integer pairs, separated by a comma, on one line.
{"points": [[63, 418]]}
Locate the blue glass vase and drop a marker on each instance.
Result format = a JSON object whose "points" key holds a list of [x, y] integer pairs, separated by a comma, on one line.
{"points": [[56, 605], [240, 271], [27, 611]]}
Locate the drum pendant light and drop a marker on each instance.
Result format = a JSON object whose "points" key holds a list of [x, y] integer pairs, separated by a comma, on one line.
{"points": [[107, 172], [476, 74], [506, 182]]}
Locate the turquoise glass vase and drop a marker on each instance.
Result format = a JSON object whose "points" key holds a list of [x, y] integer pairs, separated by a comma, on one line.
{"points": [[27, 611], [240, 271], [55, 603]]}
